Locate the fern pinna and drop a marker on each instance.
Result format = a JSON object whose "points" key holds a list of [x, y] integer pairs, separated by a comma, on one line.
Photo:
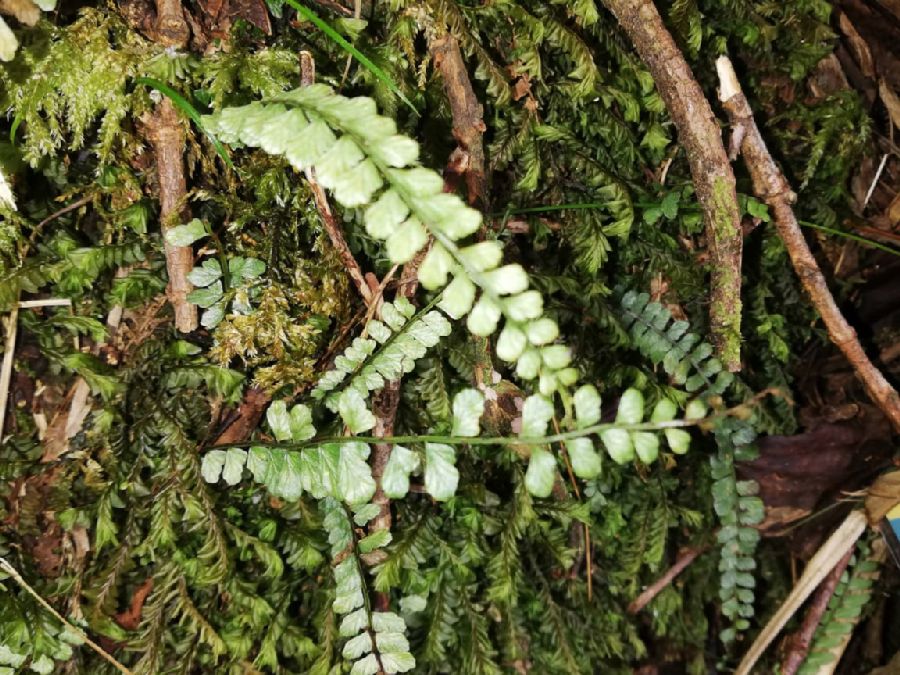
{"points": [[689, 362]]}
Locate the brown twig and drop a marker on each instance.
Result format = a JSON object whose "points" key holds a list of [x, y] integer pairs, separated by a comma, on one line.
{"points": [[770, 185], [465, 110], [166, 133], [685, 558], [307, 77], [712, 174], [801, 641]]}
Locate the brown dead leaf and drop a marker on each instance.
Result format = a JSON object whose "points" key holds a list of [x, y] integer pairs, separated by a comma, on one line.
{"points": [[67, 422], [522, 87], [891, 102], [130, 619], [858, 46], [883, 496]]}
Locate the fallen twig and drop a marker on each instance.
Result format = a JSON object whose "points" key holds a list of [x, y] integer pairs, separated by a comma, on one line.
{"points": [[167, 136], [770, 185], [685, 558], [800, 641], [712, 174], [165, 132], [15, 576]]}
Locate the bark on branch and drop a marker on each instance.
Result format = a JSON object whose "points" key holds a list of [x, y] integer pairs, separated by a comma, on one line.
{"points": [[770, 185], [712, 175], [465, 110], [166, 134]]}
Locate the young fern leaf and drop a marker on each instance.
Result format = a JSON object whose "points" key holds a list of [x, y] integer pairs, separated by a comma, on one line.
{"points": [[403, 339], [336, 470], [376, 641], [367, 164]]}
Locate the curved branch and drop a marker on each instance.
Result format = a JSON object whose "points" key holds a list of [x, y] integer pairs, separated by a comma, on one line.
{"points": [[711, 171]]}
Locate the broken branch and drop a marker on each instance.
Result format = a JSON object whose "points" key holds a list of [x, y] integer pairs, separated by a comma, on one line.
{"points": [[770, 185]]}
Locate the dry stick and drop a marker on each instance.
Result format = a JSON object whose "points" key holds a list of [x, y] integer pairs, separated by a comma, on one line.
{"points": [[828, 555], [684, 559], [466, 112], [712, 174], [15, 576], [166, 133], [770, 185], [800, 642]]}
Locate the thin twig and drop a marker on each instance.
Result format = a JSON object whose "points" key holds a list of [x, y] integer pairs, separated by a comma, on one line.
{"points": [[564, 451], [78, 203], [685, 558], [801, 641], [332, 229], [15, 576], [47, 302], [875, 180], [770, 185]]}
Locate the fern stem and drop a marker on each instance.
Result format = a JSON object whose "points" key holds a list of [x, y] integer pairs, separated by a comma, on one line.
{"points": [[494, 440]]}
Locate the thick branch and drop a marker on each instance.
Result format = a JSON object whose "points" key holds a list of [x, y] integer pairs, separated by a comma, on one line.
{"points": [[167, 136], [171, 29], [770, 185], [801, 641], [713, 177]]}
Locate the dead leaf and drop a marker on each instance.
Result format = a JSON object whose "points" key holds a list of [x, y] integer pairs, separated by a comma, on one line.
{"points": [[858, 47], [130, 619], [891, 102], [67, 422], [883, 496]]}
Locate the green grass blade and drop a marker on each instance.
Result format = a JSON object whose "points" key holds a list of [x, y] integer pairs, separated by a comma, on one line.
{"points": [[185, 106], [850, 235], [338, 39], [599, 205]]}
